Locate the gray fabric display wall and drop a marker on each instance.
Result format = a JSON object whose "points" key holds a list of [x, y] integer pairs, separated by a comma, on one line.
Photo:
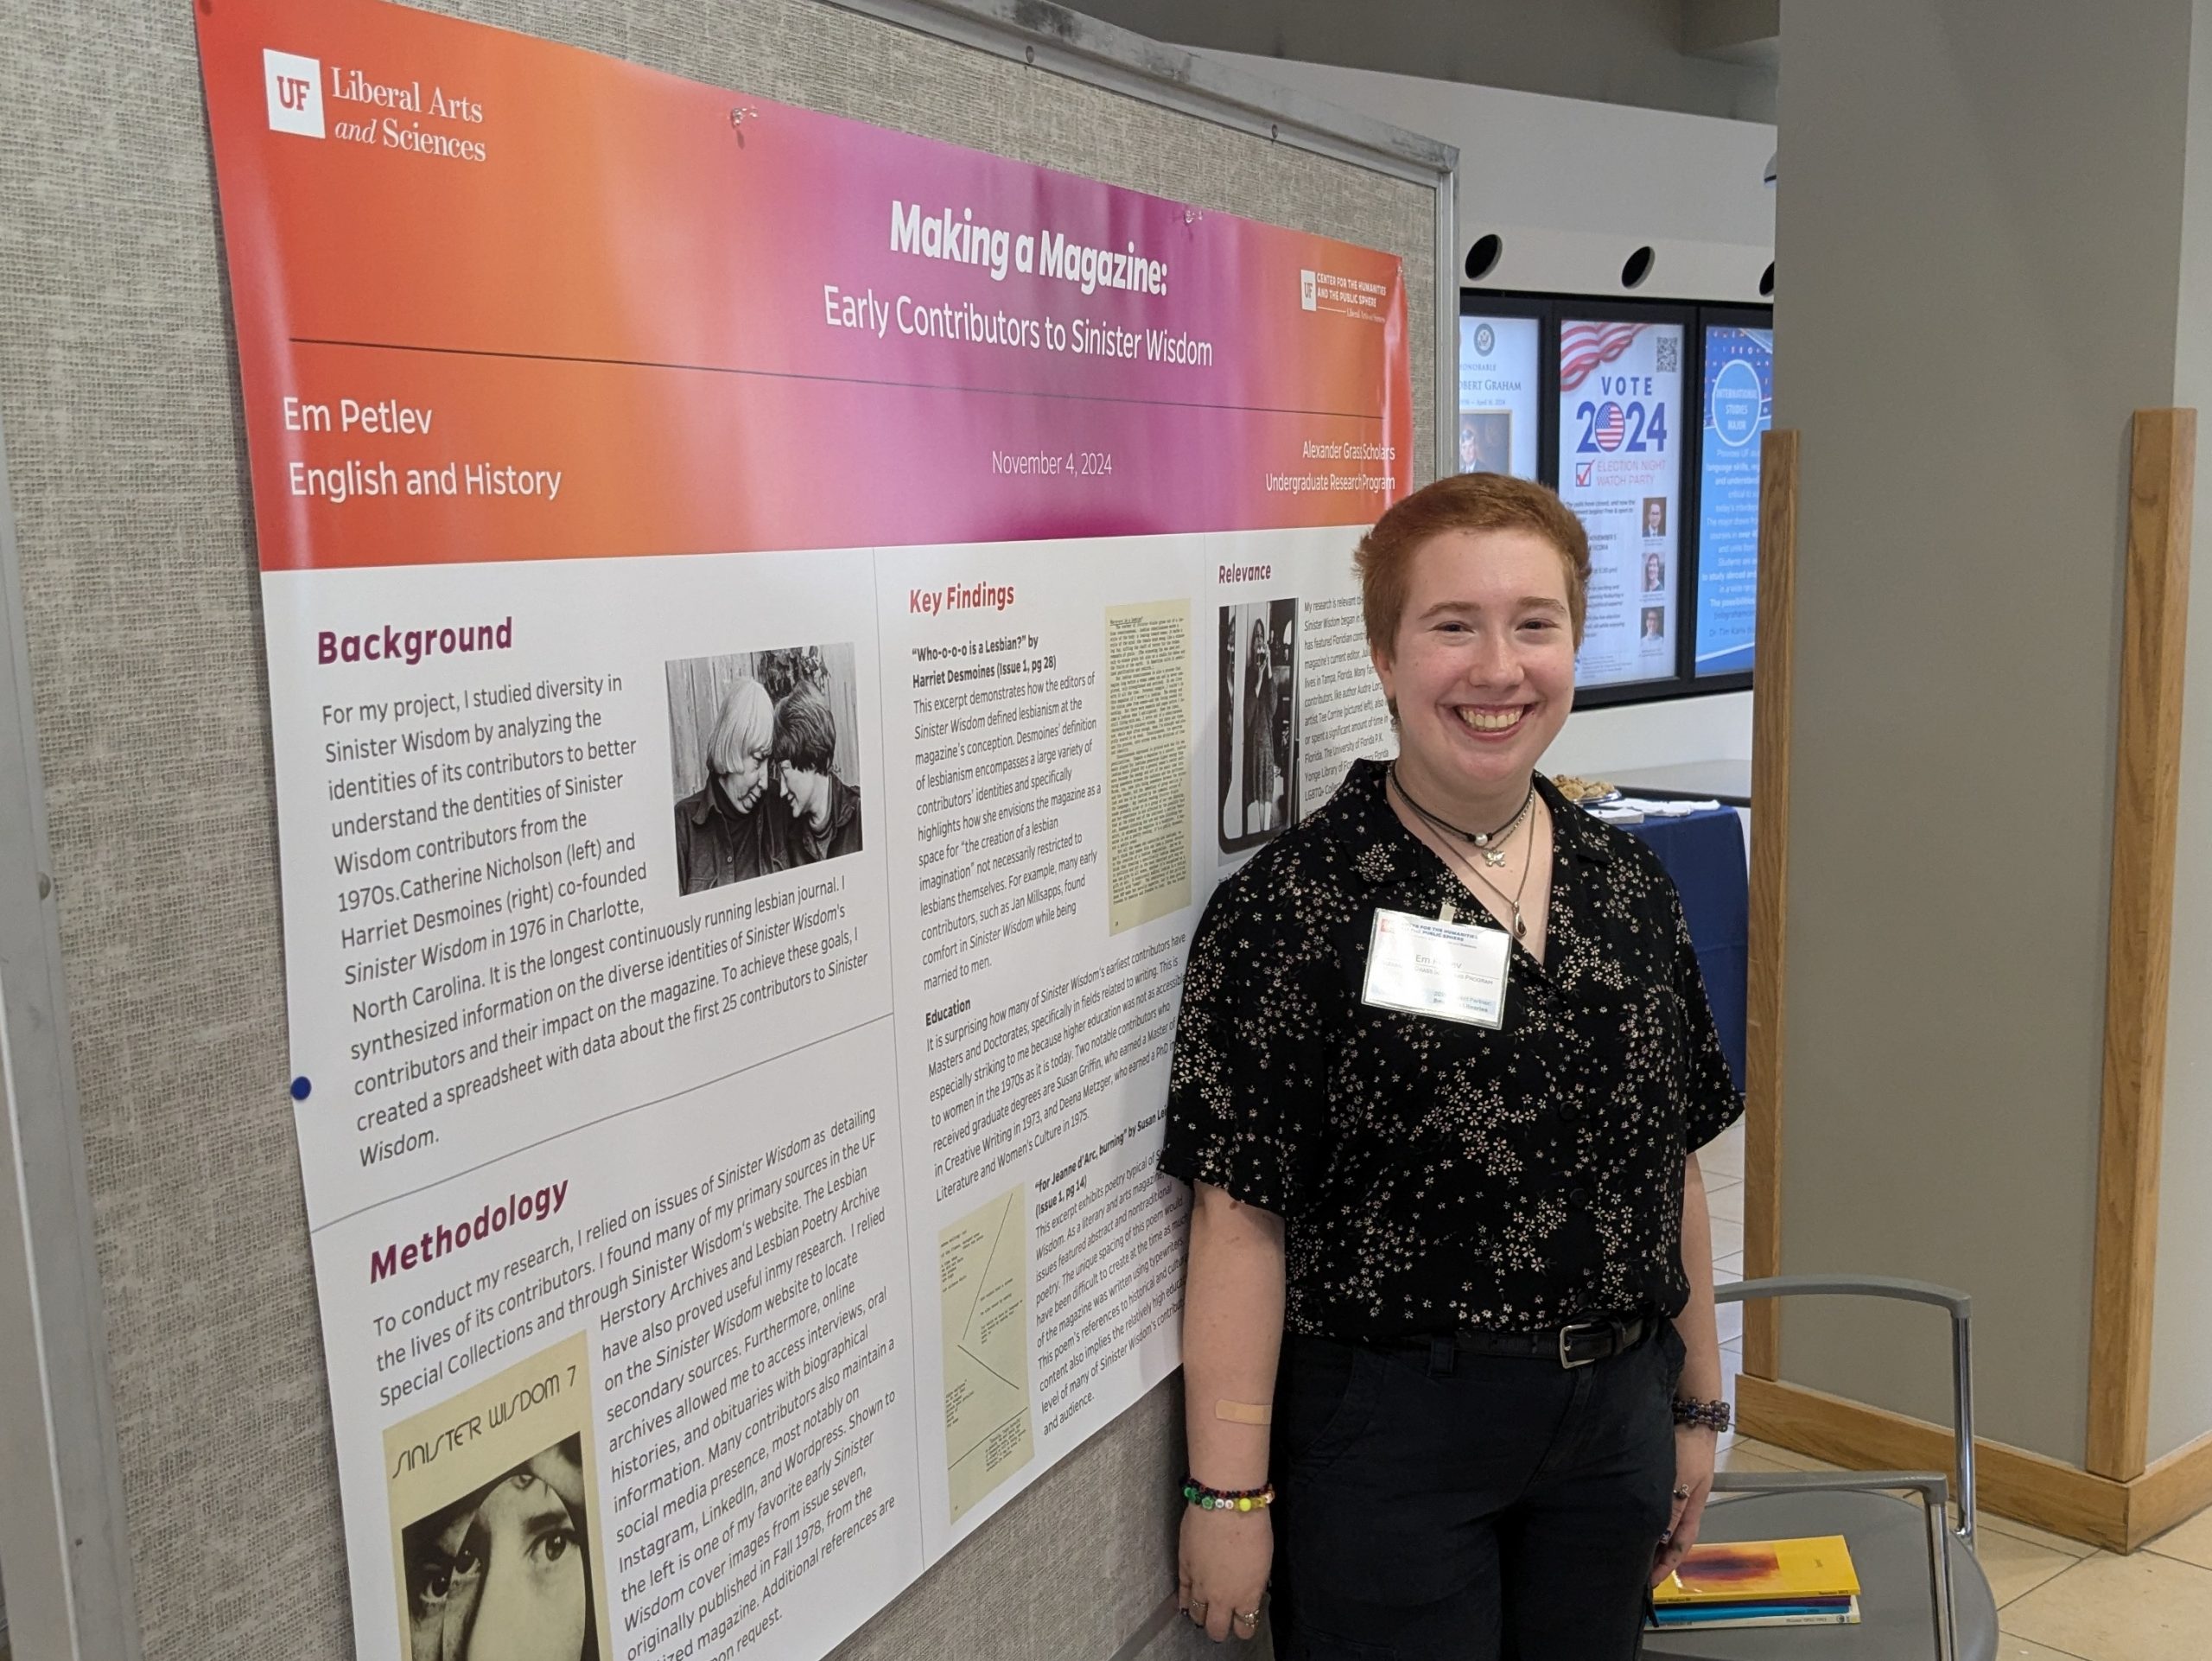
{"points": [[138, 609]]}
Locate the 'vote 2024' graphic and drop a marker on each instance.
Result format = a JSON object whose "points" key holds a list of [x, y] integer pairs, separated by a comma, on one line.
{"points": [[1620, 387]]}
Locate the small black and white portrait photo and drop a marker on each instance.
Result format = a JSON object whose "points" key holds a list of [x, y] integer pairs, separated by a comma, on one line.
{"points": [[504, 1573], [1654, 516], [1655, 623], [1486, 441], [1259, 697], [767, 751]]}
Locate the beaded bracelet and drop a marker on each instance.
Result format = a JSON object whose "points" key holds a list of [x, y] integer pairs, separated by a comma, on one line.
{"points": [[1708, 1416], [1196, 1493]]}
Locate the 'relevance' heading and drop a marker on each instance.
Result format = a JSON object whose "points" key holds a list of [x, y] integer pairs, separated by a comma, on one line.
{"points": [[961, 241]]}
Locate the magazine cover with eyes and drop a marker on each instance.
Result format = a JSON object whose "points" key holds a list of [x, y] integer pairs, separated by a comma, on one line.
{"points": [[491, 1517]]}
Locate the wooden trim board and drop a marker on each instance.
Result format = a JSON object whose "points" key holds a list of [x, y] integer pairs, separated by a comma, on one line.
{"points": [[2079, 1504], [2170, 1490], [1762, 1020], [2139, 951]]}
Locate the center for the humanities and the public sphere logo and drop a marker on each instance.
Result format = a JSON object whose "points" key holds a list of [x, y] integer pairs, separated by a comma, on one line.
{"points": [[295, 86]]}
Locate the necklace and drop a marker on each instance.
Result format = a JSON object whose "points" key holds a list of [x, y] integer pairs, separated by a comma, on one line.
{"points": [[1520, 922], [1492, 844]]}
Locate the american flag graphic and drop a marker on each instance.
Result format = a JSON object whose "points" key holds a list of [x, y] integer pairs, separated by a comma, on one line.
{"points": [[1583, 346], [1611, 427]]}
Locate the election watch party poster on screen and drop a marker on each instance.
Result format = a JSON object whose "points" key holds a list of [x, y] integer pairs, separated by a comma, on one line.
{"points": [[1620, 469], [774, 628]]}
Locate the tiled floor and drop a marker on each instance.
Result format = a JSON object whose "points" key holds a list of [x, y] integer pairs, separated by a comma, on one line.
{"points": [[2057, 1600]]}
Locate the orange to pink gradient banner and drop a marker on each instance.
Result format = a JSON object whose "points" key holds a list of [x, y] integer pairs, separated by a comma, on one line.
{"points": [[501, 299]]}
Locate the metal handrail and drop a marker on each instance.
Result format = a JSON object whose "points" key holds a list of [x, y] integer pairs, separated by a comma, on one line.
{"points": [[1956, 1303]]}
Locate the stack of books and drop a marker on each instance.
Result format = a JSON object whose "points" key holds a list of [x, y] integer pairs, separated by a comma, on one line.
{"points": [[1760, 1583]]}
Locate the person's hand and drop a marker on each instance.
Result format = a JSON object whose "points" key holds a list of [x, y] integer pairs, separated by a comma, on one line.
{"points": [[1221, 1569], [1696, 1449]]}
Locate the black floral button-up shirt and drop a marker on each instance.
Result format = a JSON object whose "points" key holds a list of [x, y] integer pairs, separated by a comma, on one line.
{"points": [[1434, 1176]]}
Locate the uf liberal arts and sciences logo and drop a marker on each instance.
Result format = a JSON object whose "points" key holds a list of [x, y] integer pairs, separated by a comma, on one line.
{"points": [[295, 86]]}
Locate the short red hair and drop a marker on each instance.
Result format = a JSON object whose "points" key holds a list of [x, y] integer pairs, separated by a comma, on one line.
{"points": [[1464, 501]]}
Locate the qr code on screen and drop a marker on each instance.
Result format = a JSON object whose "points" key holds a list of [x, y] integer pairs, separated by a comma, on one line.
{"points": [[1669, 355]]}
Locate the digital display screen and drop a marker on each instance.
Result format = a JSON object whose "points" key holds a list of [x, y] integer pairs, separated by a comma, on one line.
{"points": [[1739, 405], [1499, 391], [1620, 411]]}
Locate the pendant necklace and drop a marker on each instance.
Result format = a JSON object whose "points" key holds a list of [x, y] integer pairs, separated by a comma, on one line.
{"points": [[1489, 843], [1520, 922]]}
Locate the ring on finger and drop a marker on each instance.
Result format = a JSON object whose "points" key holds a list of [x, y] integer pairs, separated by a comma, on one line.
{"points": [[1252, 1618], [1681, 1493]]}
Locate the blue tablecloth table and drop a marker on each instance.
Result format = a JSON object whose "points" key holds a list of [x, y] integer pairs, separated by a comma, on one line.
{"points": [[1704, 853]]}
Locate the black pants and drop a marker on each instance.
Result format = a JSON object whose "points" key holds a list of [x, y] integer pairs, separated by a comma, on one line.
{"points": [[1437, 1504]]}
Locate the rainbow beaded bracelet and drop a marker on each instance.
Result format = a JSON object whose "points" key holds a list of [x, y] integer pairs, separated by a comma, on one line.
{"points": [[1196, 1493]]}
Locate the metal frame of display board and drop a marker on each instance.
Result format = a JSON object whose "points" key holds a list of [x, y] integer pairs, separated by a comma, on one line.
{"points": [[62, 1519], [62, 1550]]}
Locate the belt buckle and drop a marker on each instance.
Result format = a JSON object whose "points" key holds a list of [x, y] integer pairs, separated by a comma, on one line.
{"points": [[1567, 1336]]}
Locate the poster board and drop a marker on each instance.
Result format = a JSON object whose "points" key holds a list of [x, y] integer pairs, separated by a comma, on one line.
{"points": [[143, 647]]}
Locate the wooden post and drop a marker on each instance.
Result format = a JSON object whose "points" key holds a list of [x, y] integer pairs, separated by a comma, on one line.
{"points": [[2139, 946], [2117, 1501], [1762, 1022]]}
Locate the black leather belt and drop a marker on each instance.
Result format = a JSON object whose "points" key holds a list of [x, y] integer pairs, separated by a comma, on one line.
{"points": [[1577, 1344]]}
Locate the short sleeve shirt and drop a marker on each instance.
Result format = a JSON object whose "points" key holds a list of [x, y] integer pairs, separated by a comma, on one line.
{"points": [[1434, 1176]]}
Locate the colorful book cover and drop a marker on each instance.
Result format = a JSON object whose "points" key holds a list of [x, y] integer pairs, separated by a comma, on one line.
{"points": [[1719, 1617], [1754, 1571]]}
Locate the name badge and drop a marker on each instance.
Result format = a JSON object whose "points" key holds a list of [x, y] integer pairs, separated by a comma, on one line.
{"points": [[1425, 966]]}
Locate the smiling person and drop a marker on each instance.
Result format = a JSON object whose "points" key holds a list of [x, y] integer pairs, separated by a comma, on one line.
{"points": [[732, 828], [1442, 1066]]}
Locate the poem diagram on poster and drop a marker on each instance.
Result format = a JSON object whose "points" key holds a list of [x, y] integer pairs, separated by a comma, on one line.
{"points": [[983, 1279]]}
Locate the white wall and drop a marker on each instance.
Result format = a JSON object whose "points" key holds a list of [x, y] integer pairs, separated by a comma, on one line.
{"points": [[2181, 1332], [1631, 52], [1982, 210], [1573, 188], [1714, 728]]}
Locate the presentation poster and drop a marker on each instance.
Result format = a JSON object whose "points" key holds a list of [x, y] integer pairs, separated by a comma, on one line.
{"points": [[1739, 407], [1620, 408], [1499, 410], [774, 629]]}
